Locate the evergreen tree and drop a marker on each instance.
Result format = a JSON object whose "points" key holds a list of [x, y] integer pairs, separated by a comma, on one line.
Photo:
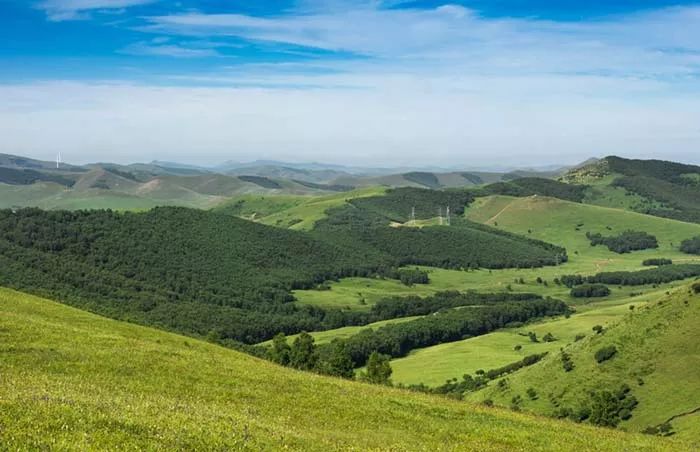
{"points": [[378, 369], [280, 350], [336, 360], [303, 354]]}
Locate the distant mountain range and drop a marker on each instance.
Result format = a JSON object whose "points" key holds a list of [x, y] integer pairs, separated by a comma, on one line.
{"points": [[29, 182]]}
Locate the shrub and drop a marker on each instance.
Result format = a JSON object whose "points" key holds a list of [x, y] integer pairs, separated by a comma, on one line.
{"points": [[590, 291], [691, 246], [657, 262], [605, 353]]}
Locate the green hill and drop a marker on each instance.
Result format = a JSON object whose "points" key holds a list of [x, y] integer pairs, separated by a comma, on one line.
{"points": [[657, 357], [76, 381], [657, 187]]}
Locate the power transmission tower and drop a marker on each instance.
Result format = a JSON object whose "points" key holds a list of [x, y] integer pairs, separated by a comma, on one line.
{"points": [[413, 216], [58, 160], [440, 214], [448, 215]]}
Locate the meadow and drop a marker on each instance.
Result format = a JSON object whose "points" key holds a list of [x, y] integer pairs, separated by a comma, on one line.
{"points": [[76, 381], [657, 357]]}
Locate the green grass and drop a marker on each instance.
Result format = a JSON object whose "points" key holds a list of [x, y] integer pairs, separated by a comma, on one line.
{"points": [[434, 365], [75, 381], [305, 215], [657, 343], [547, 219], [550, 220]]}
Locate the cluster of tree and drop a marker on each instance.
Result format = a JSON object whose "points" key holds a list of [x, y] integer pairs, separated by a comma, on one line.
{"points": [[625, 242], [410, 276], [658, 275], [413, 305], [399, 339], [528, 186], [590, 291], [656, 262], [604, 408], [609, 408], [304, 354], [691, 246]]}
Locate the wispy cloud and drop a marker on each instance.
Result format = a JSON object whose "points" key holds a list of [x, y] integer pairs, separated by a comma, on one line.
{"points": [[168, 50], [454, 36], [60, 10]]}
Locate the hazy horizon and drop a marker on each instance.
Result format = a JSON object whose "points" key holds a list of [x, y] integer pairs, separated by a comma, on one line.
{"points": [[359, 82]]}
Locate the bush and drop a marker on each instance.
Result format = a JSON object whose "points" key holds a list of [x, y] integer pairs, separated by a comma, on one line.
{"points": [[691, 246], [657, 262], [590, 291], [605, 353]]}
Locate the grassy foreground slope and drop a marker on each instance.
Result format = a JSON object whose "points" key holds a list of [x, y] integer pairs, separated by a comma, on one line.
{"points": [[73, 380], [658, 356]]}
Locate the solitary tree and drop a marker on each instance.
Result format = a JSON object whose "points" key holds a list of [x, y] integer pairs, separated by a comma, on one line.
{"points": [[336, 360], [378, 369], [303, 353], [280, 350]]}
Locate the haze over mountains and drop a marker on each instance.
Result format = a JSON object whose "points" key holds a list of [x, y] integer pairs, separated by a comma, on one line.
{"points": [[41, 183]]}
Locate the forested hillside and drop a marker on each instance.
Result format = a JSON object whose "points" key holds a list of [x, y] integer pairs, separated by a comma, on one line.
{"points": [[209, 274], [661, 188]]}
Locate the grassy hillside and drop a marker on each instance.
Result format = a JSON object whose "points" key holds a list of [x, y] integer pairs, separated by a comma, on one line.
{"points": [[75, 381], [293, 212], [657, 357], [566, 223], [661, 188]]}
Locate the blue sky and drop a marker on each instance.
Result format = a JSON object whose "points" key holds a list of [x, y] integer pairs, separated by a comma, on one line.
{"points": [[476, 83]]}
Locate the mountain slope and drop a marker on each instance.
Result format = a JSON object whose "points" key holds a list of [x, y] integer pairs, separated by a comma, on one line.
{"points": [[657, 187], [657, 356], [76, 381]]}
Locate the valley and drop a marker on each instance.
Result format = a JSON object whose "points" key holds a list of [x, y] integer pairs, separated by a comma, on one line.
{"points": [[518, 273]]}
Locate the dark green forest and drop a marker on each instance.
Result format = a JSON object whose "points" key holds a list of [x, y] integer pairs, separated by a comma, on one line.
{"points": [[208, 274], [658, 275]]}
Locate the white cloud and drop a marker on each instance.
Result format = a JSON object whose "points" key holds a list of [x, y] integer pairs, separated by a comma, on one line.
{"points": [[169, 50], [405, 121], [60, 10], [659, 43]]}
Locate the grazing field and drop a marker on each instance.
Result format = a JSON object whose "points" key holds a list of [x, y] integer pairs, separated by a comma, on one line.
{"points": [[294, 212], [658, 356], [434, 365], [76, 381], [547, 219]]}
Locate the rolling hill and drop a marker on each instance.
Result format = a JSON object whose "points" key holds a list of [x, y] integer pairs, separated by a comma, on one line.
{"points": [[76, 381], [657, 187], [32, 183], [657, 354]]}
